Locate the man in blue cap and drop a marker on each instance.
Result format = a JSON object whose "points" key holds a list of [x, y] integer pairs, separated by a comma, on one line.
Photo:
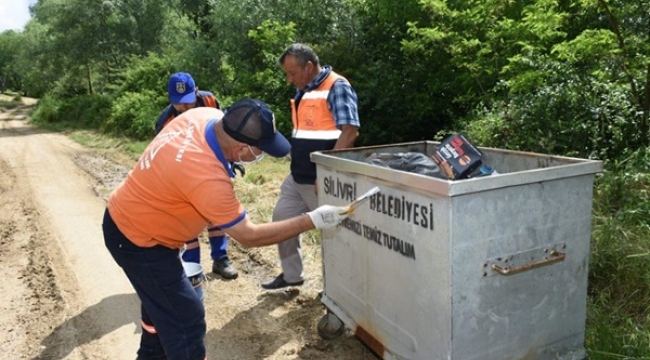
{"points": [[184, 95], [181, 183]]}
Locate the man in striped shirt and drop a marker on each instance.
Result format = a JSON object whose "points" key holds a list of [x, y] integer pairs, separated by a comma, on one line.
{"points": [[325, 116]]}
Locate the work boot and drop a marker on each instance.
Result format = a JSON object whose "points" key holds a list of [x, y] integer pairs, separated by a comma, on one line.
{"points": [[278, 283], [222, 267]]}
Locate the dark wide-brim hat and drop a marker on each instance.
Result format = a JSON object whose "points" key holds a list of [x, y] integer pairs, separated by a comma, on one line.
{"points": [[251, 122]]}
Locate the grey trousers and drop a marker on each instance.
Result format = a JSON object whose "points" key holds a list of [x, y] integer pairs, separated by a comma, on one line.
{"points": [[295, 199]]}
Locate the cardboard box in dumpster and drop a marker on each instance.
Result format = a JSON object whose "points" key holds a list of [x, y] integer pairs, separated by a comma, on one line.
{"points": [[457, 157], [488, 268]]}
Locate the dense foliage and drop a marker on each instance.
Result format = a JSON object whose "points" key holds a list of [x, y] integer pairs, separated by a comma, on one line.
{"points": [[562, 77]]}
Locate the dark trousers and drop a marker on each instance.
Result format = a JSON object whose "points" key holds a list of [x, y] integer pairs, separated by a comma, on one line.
{"points": [[172, 314]]}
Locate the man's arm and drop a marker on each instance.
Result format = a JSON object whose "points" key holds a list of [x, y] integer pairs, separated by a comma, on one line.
{"points": [[343, 104], [255, 235], [349, 134]]}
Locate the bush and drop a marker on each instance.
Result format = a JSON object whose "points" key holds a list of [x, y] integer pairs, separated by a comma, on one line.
{"points": [[85, 111], [134, 115], [144, 73], [571, 114], [47, 110], [619, 277]]}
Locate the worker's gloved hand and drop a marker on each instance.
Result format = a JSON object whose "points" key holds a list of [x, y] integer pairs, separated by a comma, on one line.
{"points": [[238, 167], [328, 216]]}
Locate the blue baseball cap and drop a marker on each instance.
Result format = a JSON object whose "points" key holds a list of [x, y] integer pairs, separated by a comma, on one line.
{"points": [[251, 122], [181, 89]]}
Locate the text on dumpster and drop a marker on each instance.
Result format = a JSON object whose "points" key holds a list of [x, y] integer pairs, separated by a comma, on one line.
{"points": [[401, 208]]}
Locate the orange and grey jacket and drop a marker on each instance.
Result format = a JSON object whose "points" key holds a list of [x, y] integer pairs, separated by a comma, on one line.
{"points": [[203, 99], [314, 128]]}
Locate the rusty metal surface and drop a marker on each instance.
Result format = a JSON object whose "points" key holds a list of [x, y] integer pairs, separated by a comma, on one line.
{"points": [[512, 264], [371, 342]]}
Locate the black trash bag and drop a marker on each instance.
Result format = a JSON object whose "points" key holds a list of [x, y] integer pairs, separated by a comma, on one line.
{"points": [[414, 162]]}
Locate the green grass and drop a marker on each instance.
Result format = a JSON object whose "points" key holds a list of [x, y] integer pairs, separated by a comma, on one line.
{"points": [[9, 101], [94, 140], [8, 105], [618, 316], [122, 146], [260, 189]]}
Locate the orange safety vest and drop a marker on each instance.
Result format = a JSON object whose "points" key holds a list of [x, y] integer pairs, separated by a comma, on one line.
{"points": [[209, 100], [314, 129], [313, 118]]}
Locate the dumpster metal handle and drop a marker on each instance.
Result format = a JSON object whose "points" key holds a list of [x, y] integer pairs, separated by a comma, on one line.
{"points": [[554, 256]]}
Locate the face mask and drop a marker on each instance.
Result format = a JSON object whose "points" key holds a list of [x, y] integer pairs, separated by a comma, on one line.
{"points": [[257, 158]]}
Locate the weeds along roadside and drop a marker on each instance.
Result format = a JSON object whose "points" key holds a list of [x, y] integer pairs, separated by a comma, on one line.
{"points": [[618, 316]]}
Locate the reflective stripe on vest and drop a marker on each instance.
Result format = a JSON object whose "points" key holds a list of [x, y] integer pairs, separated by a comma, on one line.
{"points": [[316, 135], [316, 94]]}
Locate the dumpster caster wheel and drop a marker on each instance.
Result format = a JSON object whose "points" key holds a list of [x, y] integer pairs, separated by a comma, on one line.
{"points": [[330, 327]]}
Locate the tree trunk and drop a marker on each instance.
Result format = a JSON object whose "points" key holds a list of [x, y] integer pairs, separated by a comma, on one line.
{"points": [[645, 108], [90, 82]]}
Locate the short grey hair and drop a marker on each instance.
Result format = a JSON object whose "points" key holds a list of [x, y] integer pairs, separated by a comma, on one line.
{"points": [[301, 52]]}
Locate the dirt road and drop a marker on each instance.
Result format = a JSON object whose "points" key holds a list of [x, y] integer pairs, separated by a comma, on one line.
{"points": [[62, 297]]}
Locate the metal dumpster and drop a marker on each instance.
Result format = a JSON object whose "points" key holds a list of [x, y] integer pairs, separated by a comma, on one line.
{"points": [[490, 268]]}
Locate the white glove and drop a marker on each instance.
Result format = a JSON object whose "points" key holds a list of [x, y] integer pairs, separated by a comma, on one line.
{"points": [[328, 216]]}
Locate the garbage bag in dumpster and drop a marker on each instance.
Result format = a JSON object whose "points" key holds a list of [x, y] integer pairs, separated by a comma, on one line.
{"points": [[454, 159], [487, 268], [414, 162]]}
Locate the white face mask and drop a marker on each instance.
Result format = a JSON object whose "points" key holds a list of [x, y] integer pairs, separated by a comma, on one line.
{"points": [[257, 158]]}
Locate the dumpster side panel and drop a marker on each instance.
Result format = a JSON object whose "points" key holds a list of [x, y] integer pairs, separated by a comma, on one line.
{"points": [[387, 267], [538, 310]]}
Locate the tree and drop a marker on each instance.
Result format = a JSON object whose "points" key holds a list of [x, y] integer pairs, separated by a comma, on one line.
{"points": [[9, 45], [527, 60]]}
